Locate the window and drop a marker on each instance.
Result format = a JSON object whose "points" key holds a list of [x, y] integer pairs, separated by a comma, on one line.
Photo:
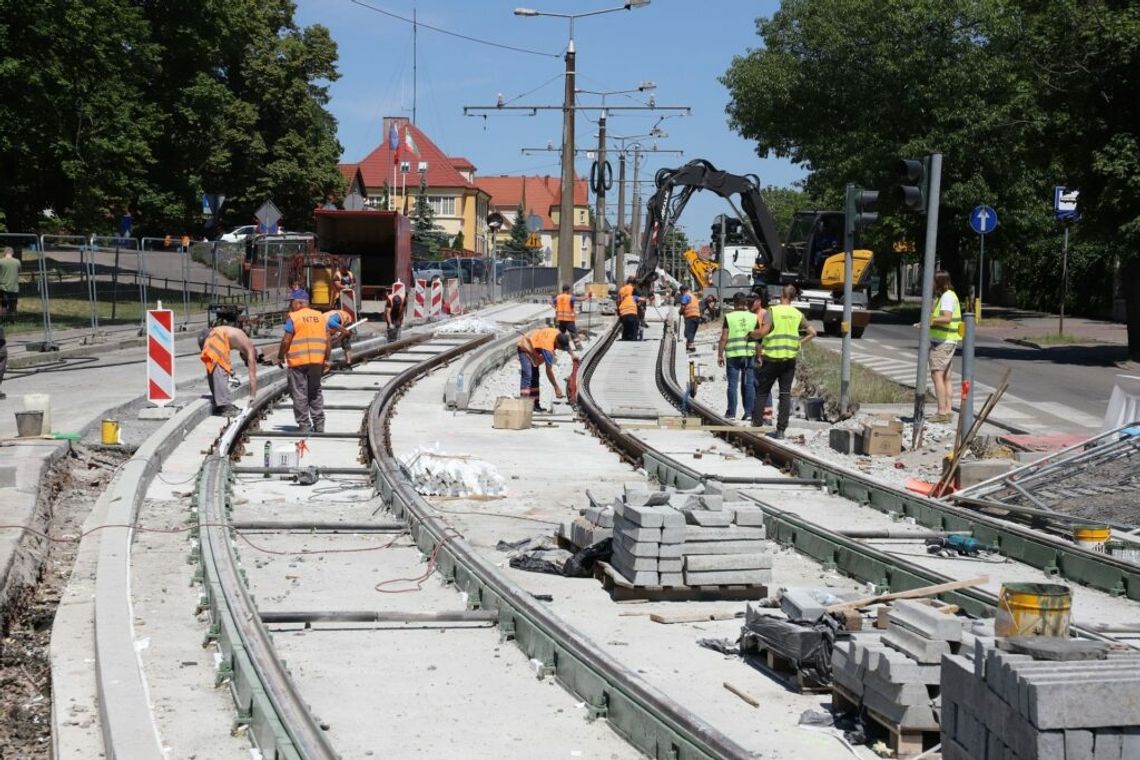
{"points": [[442, 205]]}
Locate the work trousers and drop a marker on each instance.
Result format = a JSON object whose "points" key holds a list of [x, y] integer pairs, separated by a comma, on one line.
{"points": [[3, 361], [308, 401], [771, 372], [528, 378], [220, 388], [393, 333], [691, 325], [9, 299], [740, 373], [569, 326], [629, 325]]}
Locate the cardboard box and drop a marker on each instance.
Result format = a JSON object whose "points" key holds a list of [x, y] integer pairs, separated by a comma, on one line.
{"points": [[513, 413], [882, 440]]}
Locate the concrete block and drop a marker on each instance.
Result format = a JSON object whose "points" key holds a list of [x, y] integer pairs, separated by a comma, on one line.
{"points": [[801, 604], [994, 746], [637, 548], [641, 516], [629, 562], [729, 533], [867, 654], [926, 651], [728, 493], [896, 667], [724, 547], [947, 717], [728, 577], [670, 565], [670, 551], [749, 518], [631, 532], [641, 578], [1107, 745], [1130, 742], [1070, 703], [673, 535], [1061, 650], [902, 694], [707, 518], [672, 518], [845, 441], [707, 562], [913, 717], [1078, 744], [712, 501], [925, 620], [972, 472], [672, 579], [635, 497], [952, 750], [601, 516]]}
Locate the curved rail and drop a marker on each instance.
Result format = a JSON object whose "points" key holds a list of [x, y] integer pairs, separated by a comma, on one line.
{"points": [[650, 720]]}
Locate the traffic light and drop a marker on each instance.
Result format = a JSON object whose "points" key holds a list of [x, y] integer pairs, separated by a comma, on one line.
{"points": [[911, 191], [860, 206]]}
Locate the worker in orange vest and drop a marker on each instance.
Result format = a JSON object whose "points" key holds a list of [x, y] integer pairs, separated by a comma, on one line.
{"points": [[305, 347], [337, 322], [628, 313], [690, 311], [535, 349], [564, 315], [216, 344]]}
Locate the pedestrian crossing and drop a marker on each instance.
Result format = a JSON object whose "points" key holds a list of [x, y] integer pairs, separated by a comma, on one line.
{"points": [[900, 365]]}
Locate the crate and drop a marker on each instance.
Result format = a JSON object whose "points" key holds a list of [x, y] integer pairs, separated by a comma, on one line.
{"points": [[513, 413]]}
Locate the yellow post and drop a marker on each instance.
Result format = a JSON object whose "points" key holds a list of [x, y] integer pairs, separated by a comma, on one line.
{"points": [[977, 311]]}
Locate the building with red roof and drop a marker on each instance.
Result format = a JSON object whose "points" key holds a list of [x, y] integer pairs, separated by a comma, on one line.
{"points": [[540, 198]]}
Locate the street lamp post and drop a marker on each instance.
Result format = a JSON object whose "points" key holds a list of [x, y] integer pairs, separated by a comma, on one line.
{"points": [[566, 204]]}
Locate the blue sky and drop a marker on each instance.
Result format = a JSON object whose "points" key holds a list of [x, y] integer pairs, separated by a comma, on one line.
{"points": [[681, 45]]}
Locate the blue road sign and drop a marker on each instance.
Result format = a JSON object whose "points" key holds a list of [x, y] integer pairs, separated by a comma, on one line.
{"points": [[983, 220], [1065, 204]]}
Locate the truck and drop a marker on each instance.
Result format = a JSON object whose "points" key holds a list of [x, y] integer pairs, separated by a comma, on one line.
{"points": [[804, 260], [376, 244]]}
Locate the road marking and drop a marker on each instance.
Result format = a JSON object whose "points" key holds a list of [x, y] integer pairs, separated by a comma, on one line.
{"points": [[1068, 413]]}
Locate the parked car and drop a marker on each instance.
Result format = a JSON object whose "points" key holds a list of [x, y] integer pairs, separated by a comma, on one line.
{"points": [[467, 270], [239, 234]]}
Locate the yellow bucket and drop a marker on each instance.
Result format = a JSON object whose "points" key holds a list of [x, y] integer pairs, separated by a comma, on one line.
{"points": [[1033, 609], [322, 282], [1091, 537], [110, 431]]}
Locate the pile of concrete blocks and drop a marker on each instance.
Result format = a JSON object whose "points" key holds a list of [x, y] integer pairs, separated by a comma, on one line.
{"points": [[808, 604], [592, 525], [895, 675], [647, 544], [718, 549], [1053, 699]]}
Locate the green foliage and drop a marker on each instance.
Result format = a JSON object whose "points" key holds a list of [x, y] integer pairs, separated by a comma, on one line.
{"points": [[109, 106], [516, 247], [783, 203], [1017, 97], [427, 236], [459, 243]]}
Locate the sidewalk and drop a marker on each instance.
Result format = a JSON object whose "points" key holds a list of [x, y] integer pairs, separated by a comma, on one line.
{"points": [[1020, 326]]}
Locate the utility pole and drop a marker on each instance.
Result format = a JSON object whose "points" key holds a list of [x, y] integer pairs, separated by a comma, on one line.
{"points": [[566, 202], [635, 223], [599, 179], [619, 251], [929, 253]]}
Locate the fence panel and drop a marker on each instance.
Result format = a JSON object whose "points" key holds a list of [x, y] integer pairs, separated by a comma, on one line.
{"points": [[167, 264], [68, 288], [29, 312], [117, 273]]}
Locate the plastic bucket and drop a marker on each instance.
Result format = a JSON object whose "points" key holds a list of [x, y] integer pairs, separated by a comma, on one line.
{"points": [[110, 432], [30, 424], [39, 402], [1033, 609], [1091, 537], [321, 284]]}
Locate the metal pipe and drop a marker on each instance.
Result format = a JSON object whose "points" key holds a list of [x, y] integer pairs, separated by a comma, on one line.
{"points": [[296, 434], [294, 470], [319, 527], [966, 411], [889, 534], [378, 616]]}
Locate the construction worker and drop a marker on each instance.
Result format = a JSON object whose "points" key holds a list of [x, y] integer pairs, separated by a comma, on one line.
{"points": [[944, 325], [336, 323], [216, 344], [536, 348], [393, 313], [760, 309], [690, 311], [9, 284], [780, 345], [564, 315], [627, 289], [735, 351], [627, 312], [344, 279], [305, 347]]}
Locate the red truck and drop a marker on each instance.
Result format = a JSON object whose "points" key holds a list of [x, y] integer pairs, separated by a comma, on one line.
{"points": [[377, 243]]}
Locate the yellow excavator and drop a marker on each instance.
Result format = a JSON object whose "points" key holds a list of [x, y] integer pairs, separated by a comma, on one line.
{"points": [[701, 269]]}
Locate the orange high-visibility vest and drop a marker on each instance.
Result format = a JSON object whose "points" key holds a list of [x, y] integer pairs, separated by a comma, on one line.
{"points": [[310, 340], [564, 307], [216, 352], [540, 339], [623, 291], [345, 318], [627, 306], [692, 308]]}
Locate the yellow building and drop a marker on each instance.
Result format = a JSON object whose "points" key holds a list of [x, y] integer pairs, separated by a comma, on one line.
{"points": [[541, 197]]}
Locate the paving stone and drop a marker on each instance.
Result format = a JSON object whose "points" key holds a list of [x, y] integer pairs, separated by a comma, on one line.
{"points": [[1050, 648], [728, 577], [1107, 745], [640, 498], [637, 548], [706, 562], [670, 551], [715, 487], [707, 518], [672, 518], [673, 535], [600, 516], [729, 533], [1078, 743], [926, 651], [672, 579], [670, 565], [724, 547], [630, 532], [925, 620], [749, 518], [641, 516], [632, 563]]}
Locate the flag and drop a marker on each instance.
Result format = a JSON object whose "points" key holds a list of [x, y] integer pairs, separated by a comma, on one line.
{"points": [[410, 143], [394, 143]]}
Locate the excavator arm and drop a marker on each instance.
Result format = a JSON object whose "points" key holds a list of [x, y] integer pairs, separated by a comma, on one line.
{"points": [[674, 189]]}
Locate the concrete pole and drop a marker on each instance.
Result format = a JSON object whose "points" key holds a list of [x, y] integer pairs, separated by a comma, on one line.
{"points": [[619, 251], [600, 204], [719, 273], [1064, 280], [848, 248], [566, 204], [966, 410], [635, 223], [929, 253]]}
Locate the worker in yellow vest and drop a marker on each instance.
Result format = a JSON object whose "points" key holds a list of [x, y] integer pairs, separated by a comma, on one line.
{"points": [[944, 336], [305, 348], [337, 322], [216, 345], [690, 311], [536, 349], [780, 337], [564, 315], [735, 351], [627, 312]]}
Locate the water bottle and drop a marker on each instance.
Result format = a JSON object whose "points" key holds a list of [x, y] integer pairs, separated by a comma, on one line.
{"points": [[268, 450]]}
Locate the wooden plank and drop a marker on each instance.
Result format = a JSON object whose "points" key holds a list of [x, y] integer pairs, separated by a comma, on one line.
{"points": [[693, 617], [913, 593], [742, 694]]}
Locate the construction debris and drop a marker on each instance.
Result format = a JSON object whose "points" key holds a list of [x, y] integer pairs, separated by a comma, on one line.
{"points": [[435, 473]]}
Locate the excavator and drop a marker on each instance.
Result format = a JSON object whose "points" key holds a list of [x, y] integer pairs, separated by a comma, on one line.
{"points": [[812, 258]]}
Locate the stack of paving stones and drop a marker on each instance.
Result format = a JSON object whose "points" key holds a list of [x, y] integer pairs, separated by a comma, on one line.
{"points": [[895, 675], [1048, 699], [592, 525]]}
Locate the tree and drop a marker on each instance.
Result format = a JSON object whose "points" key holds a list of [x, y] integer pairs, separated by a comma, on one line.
{"points": [[783, 203], [516, 246], [426, 237], [459, 243]]}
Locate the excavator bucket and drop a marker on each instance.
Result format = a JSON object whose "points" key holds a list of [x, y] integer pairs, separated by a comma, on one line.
{"points": [[831, 277]]}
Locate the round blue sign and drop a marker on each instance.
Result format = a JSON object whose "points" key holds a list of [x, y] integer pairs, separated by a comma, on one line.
{"points": [[983, 220]]}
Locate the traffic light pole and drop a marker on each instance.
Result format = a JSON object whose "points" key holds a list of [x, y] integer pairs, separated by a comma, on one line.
{"points": [[929, 253]]}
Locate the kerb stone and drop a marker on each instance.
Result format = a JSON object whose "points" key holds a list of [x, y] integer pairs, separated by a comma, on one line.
{"points": [[926, 651], [707, 562]]}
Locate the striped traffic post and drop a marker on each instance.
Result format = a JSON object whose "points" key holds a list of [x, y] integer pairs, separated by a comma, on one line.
{"points": [[419, 308], [160, 355], [453, 305], [435, 307]]}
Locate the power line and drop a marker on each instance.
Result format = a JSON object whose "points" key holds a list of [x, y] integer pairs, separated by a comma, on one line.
{"points": [[457, 35]]}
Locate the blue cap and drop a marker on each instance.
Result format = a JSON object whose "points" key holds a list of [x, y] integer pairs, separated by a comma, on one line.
{"points": [[299, 295]]}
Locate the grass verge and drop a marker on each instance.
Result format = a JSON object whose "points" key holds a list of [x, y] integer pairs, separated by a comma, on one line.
{"points": [[1053, 339], [817, 372]]}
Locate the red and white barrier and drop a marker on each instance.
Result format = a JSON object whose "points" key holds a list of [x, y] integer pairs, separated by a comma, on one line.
{"points": [[419, 306], [452, 305], [435, 306], [348, 303], [398, 289], [160, 356]]}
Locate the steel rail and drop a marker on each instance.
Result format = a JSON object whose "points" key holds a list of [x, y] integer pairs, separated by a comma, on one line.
{"points": [[1053, 556], [646, 717]]}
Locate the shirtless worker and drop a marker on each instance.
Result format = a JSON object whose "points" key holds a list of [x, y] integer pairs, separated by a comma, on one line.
{"points": [[216, 346]]}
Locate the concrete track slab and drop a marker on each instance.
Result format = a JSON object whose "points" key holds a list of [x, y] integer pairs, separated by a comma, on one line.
{"points": [[357, 380]]}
